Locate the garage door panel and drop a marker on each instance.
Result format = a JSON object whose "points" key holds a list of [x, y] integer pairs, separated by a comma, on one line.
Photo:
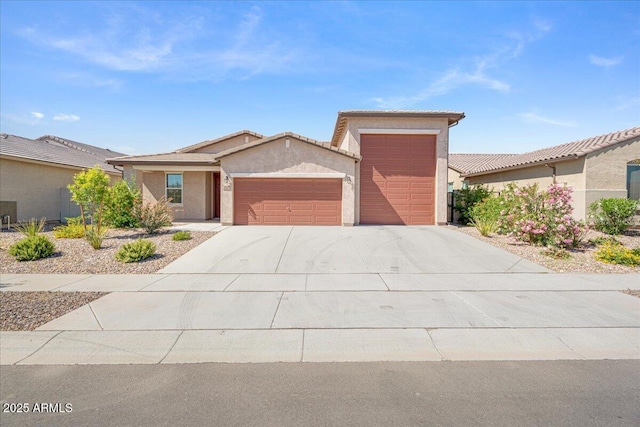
{"points": [[397, 177], [293, 201]]}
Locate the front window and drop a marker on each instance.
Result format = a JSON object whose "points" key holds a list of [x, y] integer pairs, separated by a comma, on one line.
{"points": [[633, 180], [174, 188]]}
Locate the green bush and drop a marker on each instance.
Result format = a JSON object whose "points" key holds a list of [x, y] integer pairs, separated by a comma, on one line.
{"points": [[95, 235], [136, 251], [119, 209], [598, 241], [613, 253], [69, 231], [31, 227], [153, 216], [32, 248], [182, 235], [485, 215], [74, 220], [465, 199], [613, 216]]}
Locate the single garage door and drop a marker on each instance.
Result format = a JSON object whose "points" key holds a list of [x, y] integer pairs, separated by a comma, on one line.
{"points": [[397, 179], [287, 201]]}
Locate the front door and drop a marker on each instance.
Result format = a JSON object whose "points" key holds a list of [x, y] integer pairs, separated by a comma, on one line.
{"points": [[216, 194]]}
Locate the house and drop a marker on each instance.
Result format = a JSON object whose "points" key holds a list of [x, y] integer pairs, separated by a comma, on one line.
{"points": [[599, 167], [380, 167], [34, 174]]}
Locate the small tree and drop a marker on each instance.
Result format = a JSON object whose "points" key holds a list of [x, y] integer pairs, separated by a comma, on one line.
{"points": [[90, 190], [466, 198], [123, 198]]}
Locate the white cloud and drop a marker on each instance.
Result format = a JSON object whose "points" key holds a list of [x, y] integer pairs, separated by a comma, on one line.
{"points": [[535, 118], [37, 115], [604, 62], [66, 118], [144, 41], [478, 74]]}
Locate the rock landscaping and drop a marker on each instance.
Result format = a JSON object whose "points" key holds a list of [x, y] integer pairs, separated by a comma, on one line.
{"points": [[76, 256], [25, 311]]}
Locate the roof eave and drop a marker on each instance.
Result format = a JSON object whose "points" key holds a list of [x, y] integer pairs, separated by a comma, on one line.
{"points": [[524, 165]]}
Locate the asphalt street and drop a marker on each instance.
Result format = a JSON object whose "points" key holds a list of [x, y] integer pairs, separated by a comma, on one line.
{"points": [[540, 393]]}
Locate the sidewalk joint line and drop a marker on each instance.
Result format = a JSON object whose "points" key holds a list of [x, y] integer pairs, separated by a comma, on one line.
{"points": [[172, 347], [306, 281], [442, 358], [231, 283], [165, 275], [75, 281], [477, 309], [383, 281], [568, 346], [95, 316], [39, 348], [283, 249], [276, 312], [302, 350]]}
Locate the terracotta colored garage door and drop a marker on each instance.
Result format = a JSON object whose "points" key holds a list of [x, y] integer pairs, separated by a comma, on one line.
{"points": [[397, 179], [283, 201]]}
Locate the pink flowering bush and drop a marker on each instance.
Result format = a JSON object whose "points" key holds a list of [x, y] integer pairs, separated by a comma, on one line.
{"points": [[540, 217]]}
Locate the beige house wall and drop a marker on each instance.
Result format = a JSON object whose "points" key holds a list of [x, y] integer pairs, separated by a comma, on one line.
{"points": [[454, 177], [351, 142], [36, 187], [607, 170], [276, 158], [227, 144], [196, 193]]}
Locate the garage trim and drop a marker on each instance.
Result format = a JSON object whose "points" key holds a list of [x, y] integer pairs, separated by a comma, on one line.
{"points": [[400, 131], [332, 175]]}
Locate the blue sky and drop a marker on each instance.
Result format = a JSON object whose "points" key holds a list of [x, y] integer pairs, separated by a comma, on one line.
{"points": [[142, 77]]}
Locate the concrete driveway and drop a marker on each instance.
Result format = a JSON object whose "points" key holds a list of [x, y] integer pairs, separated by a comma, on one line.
{"points": [[347, 250]]}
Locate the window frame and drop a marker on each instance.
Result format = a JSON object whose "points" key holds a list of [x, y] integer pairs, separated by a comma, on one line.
{"points": [[166, 187]]}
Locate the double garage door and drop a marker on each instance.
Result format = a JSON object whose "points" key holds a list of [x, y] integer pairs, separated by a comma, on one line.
{"points": [[397, 179], [287, 201]]}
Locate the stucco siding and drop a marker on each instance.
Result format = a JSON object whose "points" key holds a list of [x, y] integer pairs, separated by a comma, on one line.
{"points": [[227, 144], [40, 190], [607, 170], [351, 142], [298, 158], [454, 177]]}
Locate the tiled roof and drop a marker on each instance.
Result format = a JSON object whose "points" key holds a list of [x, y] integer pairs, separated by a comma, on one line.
{"points": [[465, 163], [453, 118], [167, 158], [568, 151], [214, 141], [56, 150], [324, 145]]}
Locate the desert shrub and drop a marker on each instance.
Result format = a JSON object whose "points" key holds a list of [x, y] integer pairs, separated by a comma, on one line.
{"points": [[600, 240], [69, 231], [153, 216], [74, 220], [32, 248], [31, 227], [95, 235], [485, 214], [136, 251], [466, 198], [182, 235], [556, 252], [541, 217], [613, 253], [613, 216], [119, 209]]}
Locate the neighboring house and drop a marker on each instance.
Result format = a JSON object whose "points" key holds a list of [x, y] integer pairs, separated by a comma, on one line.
{"points": [[380, 167], [34, 174], [598, 167]]}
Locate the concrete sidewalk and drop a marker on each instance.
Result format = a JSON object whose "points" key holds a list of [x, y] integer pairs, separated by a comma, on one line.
{"points": [[192, 318]]}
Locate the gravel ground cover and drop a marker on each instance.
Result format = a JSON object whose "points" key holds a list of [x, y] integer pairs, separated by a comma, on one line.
{"points": [[632, 292], [76, 256], [25, 311], [582, 259]]}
